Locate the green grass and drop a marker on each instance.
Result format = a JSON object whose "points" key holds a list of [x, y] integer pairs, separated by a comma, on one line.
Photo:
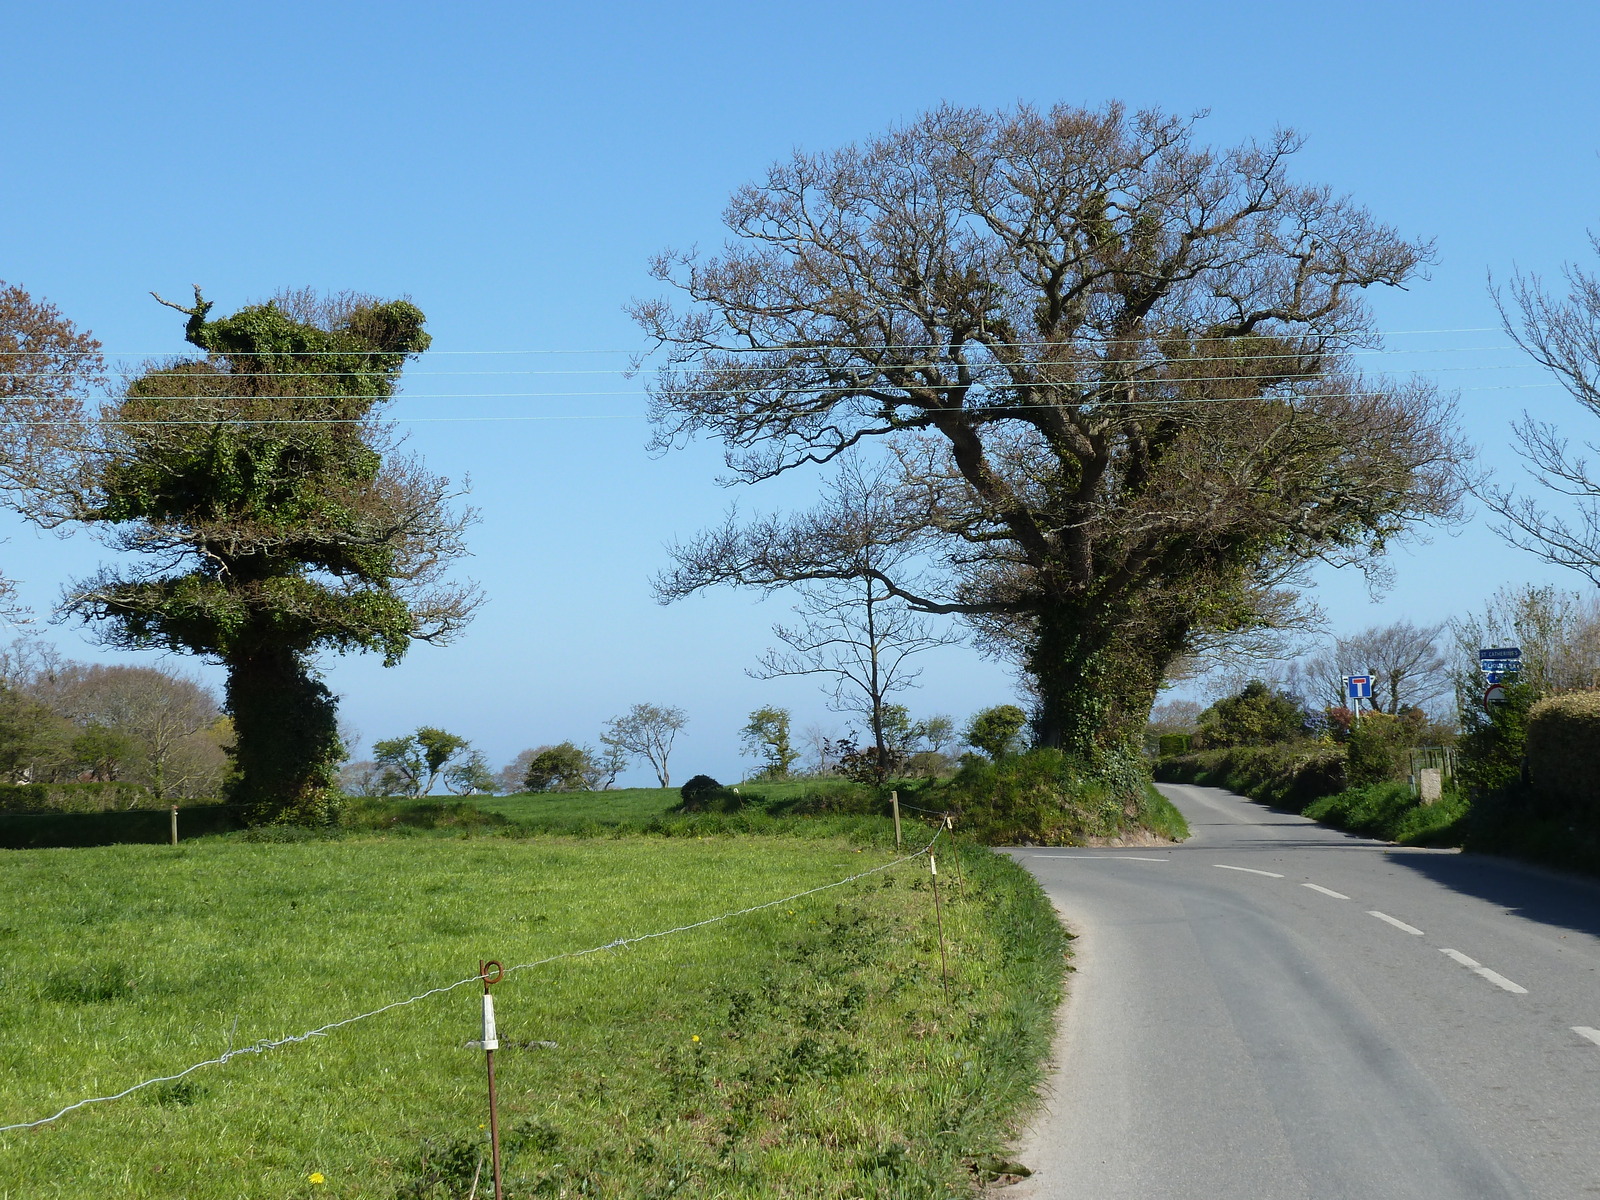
{"points": [[1161, 817], [829, 1062], [1390, 811]]}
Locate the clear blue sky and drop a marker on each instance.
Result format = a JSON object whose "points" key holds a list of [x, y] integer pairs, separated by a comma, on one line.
{"points": [[511, 167]]}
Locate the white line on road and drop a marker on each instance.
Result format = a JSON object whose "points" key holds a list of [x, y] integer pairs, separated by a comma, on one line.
{"points": [[1250, 870], [1478, 968], [1396, 922], [1584, 1031], [1317, 887], [1148, 858]]}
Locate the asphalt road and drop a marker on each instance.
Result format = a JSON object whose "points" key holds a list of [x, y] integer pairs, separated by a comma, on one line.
{"points": [[1274, 1009]]}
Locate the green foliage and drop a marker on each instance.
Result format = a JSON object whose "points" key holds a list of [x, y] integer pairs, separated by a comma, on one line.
{"points": [[260, 469], [1390, 811], [564, 767], [1257, 716], [1493, 743], [997, 731], [1045, 797], [72, 797], [1169, 744], [1376, 749], [766, 738], [412, 763], [704, 794], [1563, 745], [470, 776], [1290, 776]]}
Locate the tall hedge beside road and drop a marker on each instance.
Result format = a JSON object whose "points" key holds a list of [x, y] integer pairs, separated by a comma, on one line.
{"points": [[1563, 751]]}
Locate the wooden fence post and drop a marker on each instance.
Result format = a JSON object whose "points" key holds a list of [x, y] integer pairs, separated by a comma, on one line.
{"points": [[894, 799], [174, 824]]}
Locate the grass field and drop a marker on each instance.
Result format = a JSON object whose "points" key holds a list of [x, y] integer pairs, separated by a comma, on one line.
{"points": [[805, 1050]]}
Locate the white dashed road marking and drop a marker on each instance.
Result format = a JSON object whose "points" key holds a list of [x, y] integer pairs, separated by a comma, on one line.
{"points": [[1584, 1031], [1248, 870], [1317, 887], [1397, 923], [1493, 977]]}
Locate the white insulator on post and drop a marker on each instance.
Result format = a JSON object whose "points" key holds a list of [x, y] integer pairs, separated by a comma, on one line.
{"points": [[491, 1039]]}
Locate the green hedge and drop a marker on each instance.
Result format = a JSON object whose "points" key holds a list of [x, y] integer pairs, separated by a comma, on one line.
{"points": [[1290, 776], [73, 797], [39, 830], [1563, 751]]}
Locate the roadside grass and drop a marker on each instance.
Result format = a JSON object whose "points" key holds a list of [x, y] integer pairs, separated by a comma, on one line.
{"points": [[1390, 811], [1161, 817], [805, 1050]]}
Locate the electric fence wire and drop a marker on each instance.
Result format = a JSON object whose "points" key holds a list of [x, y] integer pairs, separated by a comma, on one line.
{"points": [[265, 1044]]}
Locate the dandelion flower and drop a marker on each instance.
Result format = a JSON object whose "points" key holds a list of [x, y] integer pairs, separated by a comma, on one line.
{"points": [[695, 1038], [316, 1177]]}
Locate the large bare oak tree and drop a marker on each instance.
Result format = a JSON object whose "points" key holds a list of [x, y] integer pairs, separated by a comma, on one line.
{"points": [[1114, 366]]}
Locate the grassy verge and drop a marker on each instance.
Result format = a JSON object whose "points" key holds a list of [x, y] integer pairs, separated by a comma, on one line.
{"points": [[1391, 812], [1161, 817], [805, 1050]]}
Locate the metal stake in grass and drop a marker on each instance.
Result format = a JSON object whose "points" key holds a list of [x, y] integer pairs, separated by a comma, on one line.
{"points": [[944, 965], [491, 1043]]}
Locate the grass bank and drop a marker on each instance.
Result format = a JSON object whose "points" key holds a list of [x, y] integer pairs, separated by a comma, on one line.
{"points": [[805, 1050]]}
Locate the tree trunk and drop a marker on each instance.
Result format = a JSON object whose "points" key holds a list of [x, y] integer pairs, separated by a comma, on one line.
{"points": [[286, 737], [1096, 683]]}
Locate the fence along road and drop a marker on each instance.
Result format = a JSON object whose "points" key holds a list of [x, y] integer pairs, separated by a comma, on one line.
{"points": [[1274, 1009]]}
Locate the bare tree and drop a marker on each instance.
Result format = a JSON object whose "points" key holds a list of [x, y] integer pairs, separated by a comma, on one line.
{"points": [[853, 630], [47, 370], [1557, 631], [159, 710], [1113, 364], [646, 731], [1408, 665], [1563, 336]]}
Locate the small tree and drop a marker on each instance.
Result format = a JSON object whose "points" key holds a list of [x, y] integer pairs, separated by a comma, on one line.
{"points": [[470, 776], [412, 763], [995, 731], [564, 767], [1257, 716], [646, 731], [766, 738]]}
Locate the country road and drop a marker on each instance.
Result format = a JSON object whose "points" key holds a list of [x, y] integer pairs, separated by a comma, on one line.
{"points": [[1274, 1009]]}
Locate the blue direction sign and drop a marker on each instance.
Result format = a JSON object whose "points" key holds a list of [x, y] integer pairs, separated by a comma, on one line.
{"points": [[1499, 661], [1358, 687]]}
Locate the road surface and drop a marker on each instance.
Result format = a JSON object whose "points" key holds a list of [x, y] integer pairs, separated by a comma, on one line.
{"points": [[1274, 1009]]}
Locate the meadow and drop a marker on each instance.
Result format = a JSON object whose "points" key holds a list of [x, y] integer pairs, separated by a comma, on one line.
{"points": [[805, 1050]]}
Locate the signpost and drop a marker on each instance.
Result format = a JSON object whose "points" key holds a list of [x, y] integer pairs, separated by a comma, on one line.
{"points": [[1498, 662], [1358, 687]]}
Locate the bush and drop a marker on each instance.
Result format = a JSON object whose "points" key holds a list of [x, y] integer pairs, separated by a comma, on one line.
{"points": [[1493, 743], [1257, 716], [72, 797], [704, 794], [1288, 776], [1377, 749], [1563, 749], [996, 731], [1043, 797], [1169, 744]]}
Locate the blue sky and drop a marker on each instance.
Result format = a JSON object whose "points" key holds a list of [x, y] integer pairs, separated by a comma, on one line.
{"points": [[512, 167]]}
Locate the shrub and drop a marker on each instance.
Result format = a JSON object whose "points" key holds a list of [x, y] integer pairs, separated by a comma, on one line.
{"points": [[1493, 743], [1289, 776], [1169, 744], [1043, 797], [1563, 749], [1377, 749], [705, 794], [996, 731], [1257, 716], [72, 797], [564, 767]]}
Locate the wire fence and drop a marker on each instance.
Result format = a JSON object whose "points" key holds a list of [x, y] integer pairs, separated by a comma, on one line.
{"points": [[266, 1044]]}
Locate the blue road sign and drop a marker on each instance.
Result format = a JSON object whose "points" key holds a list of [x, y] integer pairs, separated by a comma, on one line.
{"points": [[1500, 654], [1358, 687]]}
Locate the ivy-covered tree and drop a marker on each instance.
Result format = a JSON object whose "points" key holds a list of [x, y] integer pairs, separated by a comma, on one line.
{"points": [[278, 520]]}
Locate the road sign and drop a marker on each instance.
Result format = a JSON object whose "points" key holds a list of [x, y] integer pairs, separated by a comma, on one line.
{"points": [[1512, 653], [1494, 696], [1358, 687]]}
